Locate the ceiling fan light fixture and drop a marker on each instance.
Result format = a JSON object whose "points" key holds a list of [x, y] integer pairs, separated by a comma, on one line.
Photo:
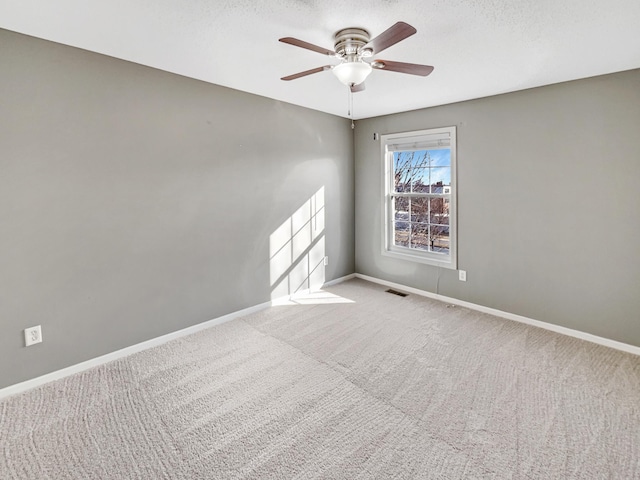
{"points": [[352, 73]]}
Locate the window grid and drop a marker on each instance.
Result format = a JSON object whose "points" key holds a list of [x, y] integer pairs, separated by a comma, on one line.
{"points": [[413, 171], [436, 232]]}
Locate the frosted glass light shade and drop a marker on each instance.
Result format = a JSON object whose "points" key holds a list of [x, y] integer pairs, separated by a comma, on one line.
{"points": [[352, 73]]}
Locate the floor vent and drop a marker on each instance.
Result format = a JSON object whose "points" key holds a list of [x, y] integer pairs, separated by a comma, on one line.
{"points": [[395, 292]]}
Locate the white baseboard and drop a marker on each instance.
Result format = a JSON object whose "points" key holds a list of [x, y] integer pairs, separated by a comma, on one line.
{"points": [[339, 280], [154, 342], [138, 347], [109, 357], [509, 316]]}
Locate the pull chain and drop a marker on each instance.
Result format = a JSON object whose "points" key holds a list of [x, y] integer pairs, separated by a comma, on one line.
{"points": [[350, 112]]}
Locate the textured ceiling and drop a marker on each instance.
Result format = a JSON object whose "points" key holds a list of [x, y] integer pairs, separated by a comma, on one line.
{"points": [[478, 47]]}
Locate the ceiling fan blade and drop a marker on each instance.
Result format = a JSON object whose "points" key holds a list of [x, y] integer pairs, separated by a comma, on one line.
{"points": [[411, 68], [357, 88], [309, 46], [307, 72], [389, 37]]}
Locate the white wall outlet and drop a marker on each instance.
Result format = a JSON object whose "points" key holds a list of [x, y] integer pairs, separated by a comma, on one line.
{"points": [[462, 275], [326, 260], [32, 335]]}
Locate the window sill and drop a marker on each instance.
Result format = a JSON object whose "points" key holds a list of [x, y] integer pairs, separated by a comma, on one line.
{"points": [[433, 259]]}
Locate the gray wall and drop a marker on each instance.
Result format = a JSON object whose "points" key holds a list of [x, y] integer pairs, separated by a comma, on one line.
{"points": [[548, 204], [134, 202]]}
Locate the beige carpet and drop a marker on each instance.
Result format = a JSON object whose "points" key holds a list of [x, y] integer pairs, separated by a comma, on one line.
{"points": [[384, 387]]}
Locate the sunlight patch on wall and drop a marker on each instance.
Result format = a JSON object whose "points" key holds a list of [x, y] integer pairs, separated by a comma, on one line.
{"points": [[297, 250]]}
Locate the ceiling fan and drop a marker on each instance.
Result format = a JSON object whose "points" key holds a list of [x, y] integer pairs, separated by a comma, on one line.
{"points": [[353, 47]]}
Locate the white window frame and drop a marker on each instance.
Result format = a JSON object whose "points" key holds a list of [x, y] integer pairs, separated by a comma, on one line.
{"points": [[431, 139]]}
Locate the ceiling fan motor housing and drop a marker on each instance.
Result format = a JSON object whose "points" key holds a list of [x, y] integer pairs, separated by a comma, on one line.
{"points": [[349, 41]]}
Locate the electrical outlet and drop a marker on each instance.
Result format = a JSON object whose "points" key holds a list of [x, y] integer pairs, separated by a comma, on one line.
{"points": [[32, 335], [326, 260], [462, 275]]}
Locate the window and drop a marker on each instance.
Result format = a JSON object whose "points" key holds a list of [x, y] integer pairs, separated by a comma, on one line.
{"points": [[420, 196]]}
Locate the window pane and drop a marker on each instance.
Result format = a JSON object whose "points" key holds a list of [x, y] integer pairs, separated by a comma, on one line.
{"points": [[440, 158], [420, 236], [440, 238], [440, 178], [402, 171], [420, 210], [419, 159], [401, 236], [402, 161], [414, 177], [420, 180], [401, 209], [440, 211]]}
